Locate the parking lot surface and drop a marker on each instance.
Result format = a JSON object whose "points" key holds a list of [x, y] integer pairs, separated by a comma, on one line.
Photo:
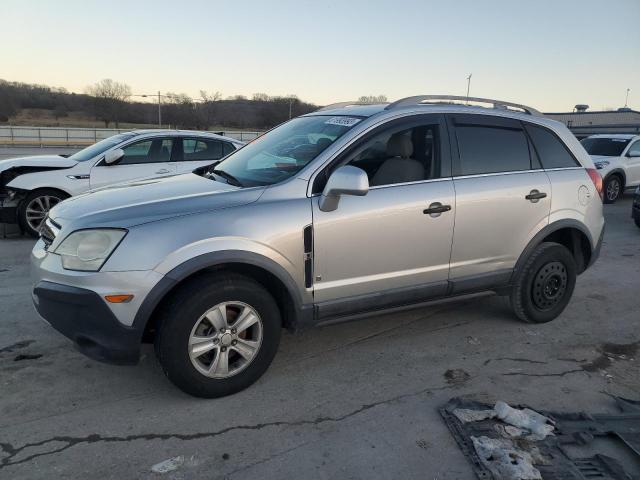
{"points": [[355, 400]]}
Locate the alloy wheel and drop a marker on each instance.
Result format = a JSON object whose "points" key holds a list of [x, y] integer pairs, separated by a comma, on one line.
{"points": [[613, 189], [38, 209], [225, 339]]}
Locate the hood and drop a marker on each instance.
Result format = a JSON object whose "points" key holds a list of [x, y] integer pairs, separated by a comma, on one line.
{"points": [[38, 161], [129, 204]]}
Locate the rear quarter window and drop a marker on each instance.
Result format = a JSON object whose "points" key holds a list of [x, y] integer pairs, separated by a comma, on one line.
{"points": [[550, 149]]}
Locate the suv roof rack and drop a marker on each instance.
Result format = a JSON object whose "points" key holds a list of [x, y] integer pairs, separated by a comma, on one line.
{"points": [[347, 104], [434, 99]]}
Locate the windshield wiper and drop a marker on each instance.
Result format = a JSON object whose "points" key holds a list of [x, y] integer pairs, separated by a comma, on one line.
{"points": [[228, 177]]}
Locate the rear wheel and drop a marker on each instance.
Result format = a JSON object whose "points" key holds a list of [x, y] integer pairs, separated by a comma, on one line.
{"points": [[545, 284], [612, 188], [218, 335], [35, 207]]}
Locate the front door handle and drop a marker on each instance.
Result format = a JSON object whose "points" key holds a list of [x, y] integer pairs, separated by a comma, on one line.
{"points": [[163, 170], [535, 195], [436, 208]]}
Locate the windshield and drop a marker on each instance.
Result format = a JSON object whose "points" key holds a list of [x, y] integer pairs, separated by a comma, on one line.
{"points": [[607, 147], [100, 147], [285, 150]]}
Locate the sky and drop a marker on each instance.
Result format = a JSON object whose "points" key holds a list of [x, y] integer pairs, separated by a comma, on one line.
{"points": [[550, 54]]}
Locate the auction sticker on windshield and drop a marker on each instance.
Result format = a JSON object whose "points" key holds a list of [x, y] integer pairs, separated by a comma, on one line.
{"points": [[343, 121]]}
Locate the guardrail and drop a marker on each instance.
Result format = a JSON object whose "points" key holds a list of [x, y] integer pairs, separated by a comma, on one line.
{"points": [[62, 136]]}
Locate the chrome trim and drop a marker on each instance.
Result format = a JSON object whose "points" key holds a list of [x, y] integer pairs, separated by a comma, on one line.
{"points": [[494, 174]]}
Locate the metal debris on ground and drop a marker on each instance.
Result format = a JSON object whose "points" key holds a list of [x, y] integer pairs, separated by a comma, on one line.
{"points": [[507, 443]]}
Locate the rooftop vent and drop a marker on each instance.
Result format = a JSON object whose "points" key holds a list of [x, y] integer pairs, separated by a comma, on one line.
{"points": [[581, 108]]}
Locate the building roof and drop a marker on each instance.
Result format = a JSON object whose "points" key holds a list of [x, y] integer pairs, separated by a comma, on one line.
{"points": [[601, 118]]}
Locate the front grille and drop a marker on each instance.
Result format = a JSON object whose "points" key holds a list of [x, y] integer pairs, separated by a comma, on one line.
{"points": [[49, 231]]}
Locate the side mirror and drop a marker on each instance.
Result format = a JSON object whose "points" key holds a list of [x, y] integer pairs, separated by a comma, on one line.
{"points": [[112, 156], [346, 180], [633, 154]]}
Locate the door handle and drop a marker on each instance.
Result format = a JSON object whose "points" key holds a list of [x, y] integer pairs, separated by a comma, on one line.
{"points": [[535, 195], [163, 170], [436, 208]]}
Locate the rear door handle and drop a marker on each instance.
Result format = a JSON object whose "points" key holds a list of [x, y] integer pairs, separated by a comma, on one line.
{"points": [[436, 208], [535, 195], [163, 170]]}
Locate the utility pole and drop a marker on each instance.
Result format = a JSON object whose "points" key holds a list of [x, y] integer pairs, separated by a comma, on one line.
{"points": [[626, 100], [159, 110], [468, 86]]}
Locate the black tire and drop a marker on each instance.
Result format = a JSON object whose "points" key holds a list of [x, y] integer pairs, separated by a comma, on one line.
{"points": [[544, 286], [187, 305], [636, 219], [613, 188], [54, 196]]}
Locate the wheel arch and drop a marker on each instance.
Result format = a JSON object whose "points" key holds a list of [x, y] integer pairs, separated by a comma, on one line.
{"points": [[571, 234], [619, 172], [268, 273]]}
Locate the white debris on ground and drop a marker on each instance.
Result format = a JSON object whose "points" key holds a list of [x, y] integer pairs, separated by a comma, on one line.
{"points": [[467, 415], [539, 425], [504, 460], [502, 456], [168, 465], [525, 423]]}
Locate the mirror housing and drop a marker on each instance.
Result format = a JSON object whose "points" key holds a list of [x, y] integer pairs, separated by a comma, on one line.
{"points": [[112, 156], [345, 180], [633, 154]]}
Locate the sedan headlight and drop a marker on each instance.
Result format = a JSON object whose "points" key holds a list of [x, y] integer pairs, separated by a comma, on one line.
{"points": [[601, 165], [87, 250]]}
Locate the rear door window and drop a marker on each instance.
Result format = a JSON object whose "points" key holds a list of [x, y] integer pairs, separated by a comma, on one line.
{"points": [[201, 149], [487, 145], [550, 149]]}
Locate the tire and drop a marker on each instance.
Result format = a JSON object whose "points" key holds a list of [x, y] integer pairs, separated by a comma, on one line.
{"points": [[35, 207], [613, 188], [183, 319], [637, 221], [544, 286]]}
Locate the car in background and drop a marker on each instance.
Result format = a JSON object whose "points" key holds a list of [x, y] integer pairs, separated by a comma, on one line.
{"points": [[31, 186], [617, 158], [635, 207]]}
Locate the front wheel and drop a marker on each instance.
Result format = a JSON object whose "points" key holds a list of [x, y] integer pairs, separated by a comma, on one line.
{"points": [[35, 207], [544, 286], [612, 189], [218, 335]]}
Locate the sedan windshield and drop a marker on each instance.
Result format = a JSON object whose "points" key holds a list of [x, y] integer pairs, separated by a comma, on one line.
{"points": [[607, 147], [100, 147], [284, 151]]}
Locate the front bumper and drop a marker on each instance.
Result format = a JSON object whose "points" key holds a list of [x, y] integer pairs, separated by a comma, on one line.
{"points": [[82, 316], [73, 303]]}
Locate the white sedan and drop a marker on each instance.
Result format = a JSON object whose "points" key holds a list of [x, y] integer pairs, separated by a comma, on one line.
{"points": [[30, 186]]}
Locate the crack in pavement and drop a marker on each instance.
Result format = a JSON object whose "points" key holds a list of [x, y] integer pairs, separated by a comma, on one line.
{"points": [[524, 360], [559, 374], [69, 441]]}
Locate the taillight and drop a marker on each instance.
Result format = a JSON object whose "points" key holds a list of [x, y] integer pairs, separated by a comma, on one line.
{"points": [[596, 179]]}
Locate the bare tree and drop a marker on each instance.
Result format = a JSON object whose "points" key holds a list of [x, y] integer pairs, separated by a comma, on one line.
{"points": [[109, 98], [372, 99], [260, 97], [210, 97]]}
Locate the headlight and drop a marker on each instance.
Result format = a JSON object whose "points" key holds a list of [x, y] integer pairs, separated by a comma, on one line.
{"points": [[87, 250], [601, 165]]}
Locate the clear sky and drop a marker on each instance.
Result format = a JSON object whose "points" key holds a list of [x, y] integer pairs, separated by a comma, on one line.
{"points": [[550, 54]]}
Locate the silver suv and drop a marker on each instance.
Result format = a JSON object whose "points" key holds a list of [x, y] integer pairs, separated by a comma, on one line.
{"points": [[349, 210]]}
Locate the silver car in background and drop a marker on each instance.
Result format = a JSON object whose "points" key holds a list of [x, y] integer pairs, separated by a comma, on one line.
{"points": [[347, 211]]}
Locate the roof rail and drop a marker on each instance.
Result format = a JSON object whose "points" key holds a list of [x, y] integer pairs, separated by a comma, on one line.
{"points": [[346, 104], [427, 99]]}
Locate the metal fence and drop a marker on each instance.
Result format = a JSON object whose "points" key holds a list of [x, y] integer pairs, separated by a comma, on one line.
{"points": [[59, 136]]}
